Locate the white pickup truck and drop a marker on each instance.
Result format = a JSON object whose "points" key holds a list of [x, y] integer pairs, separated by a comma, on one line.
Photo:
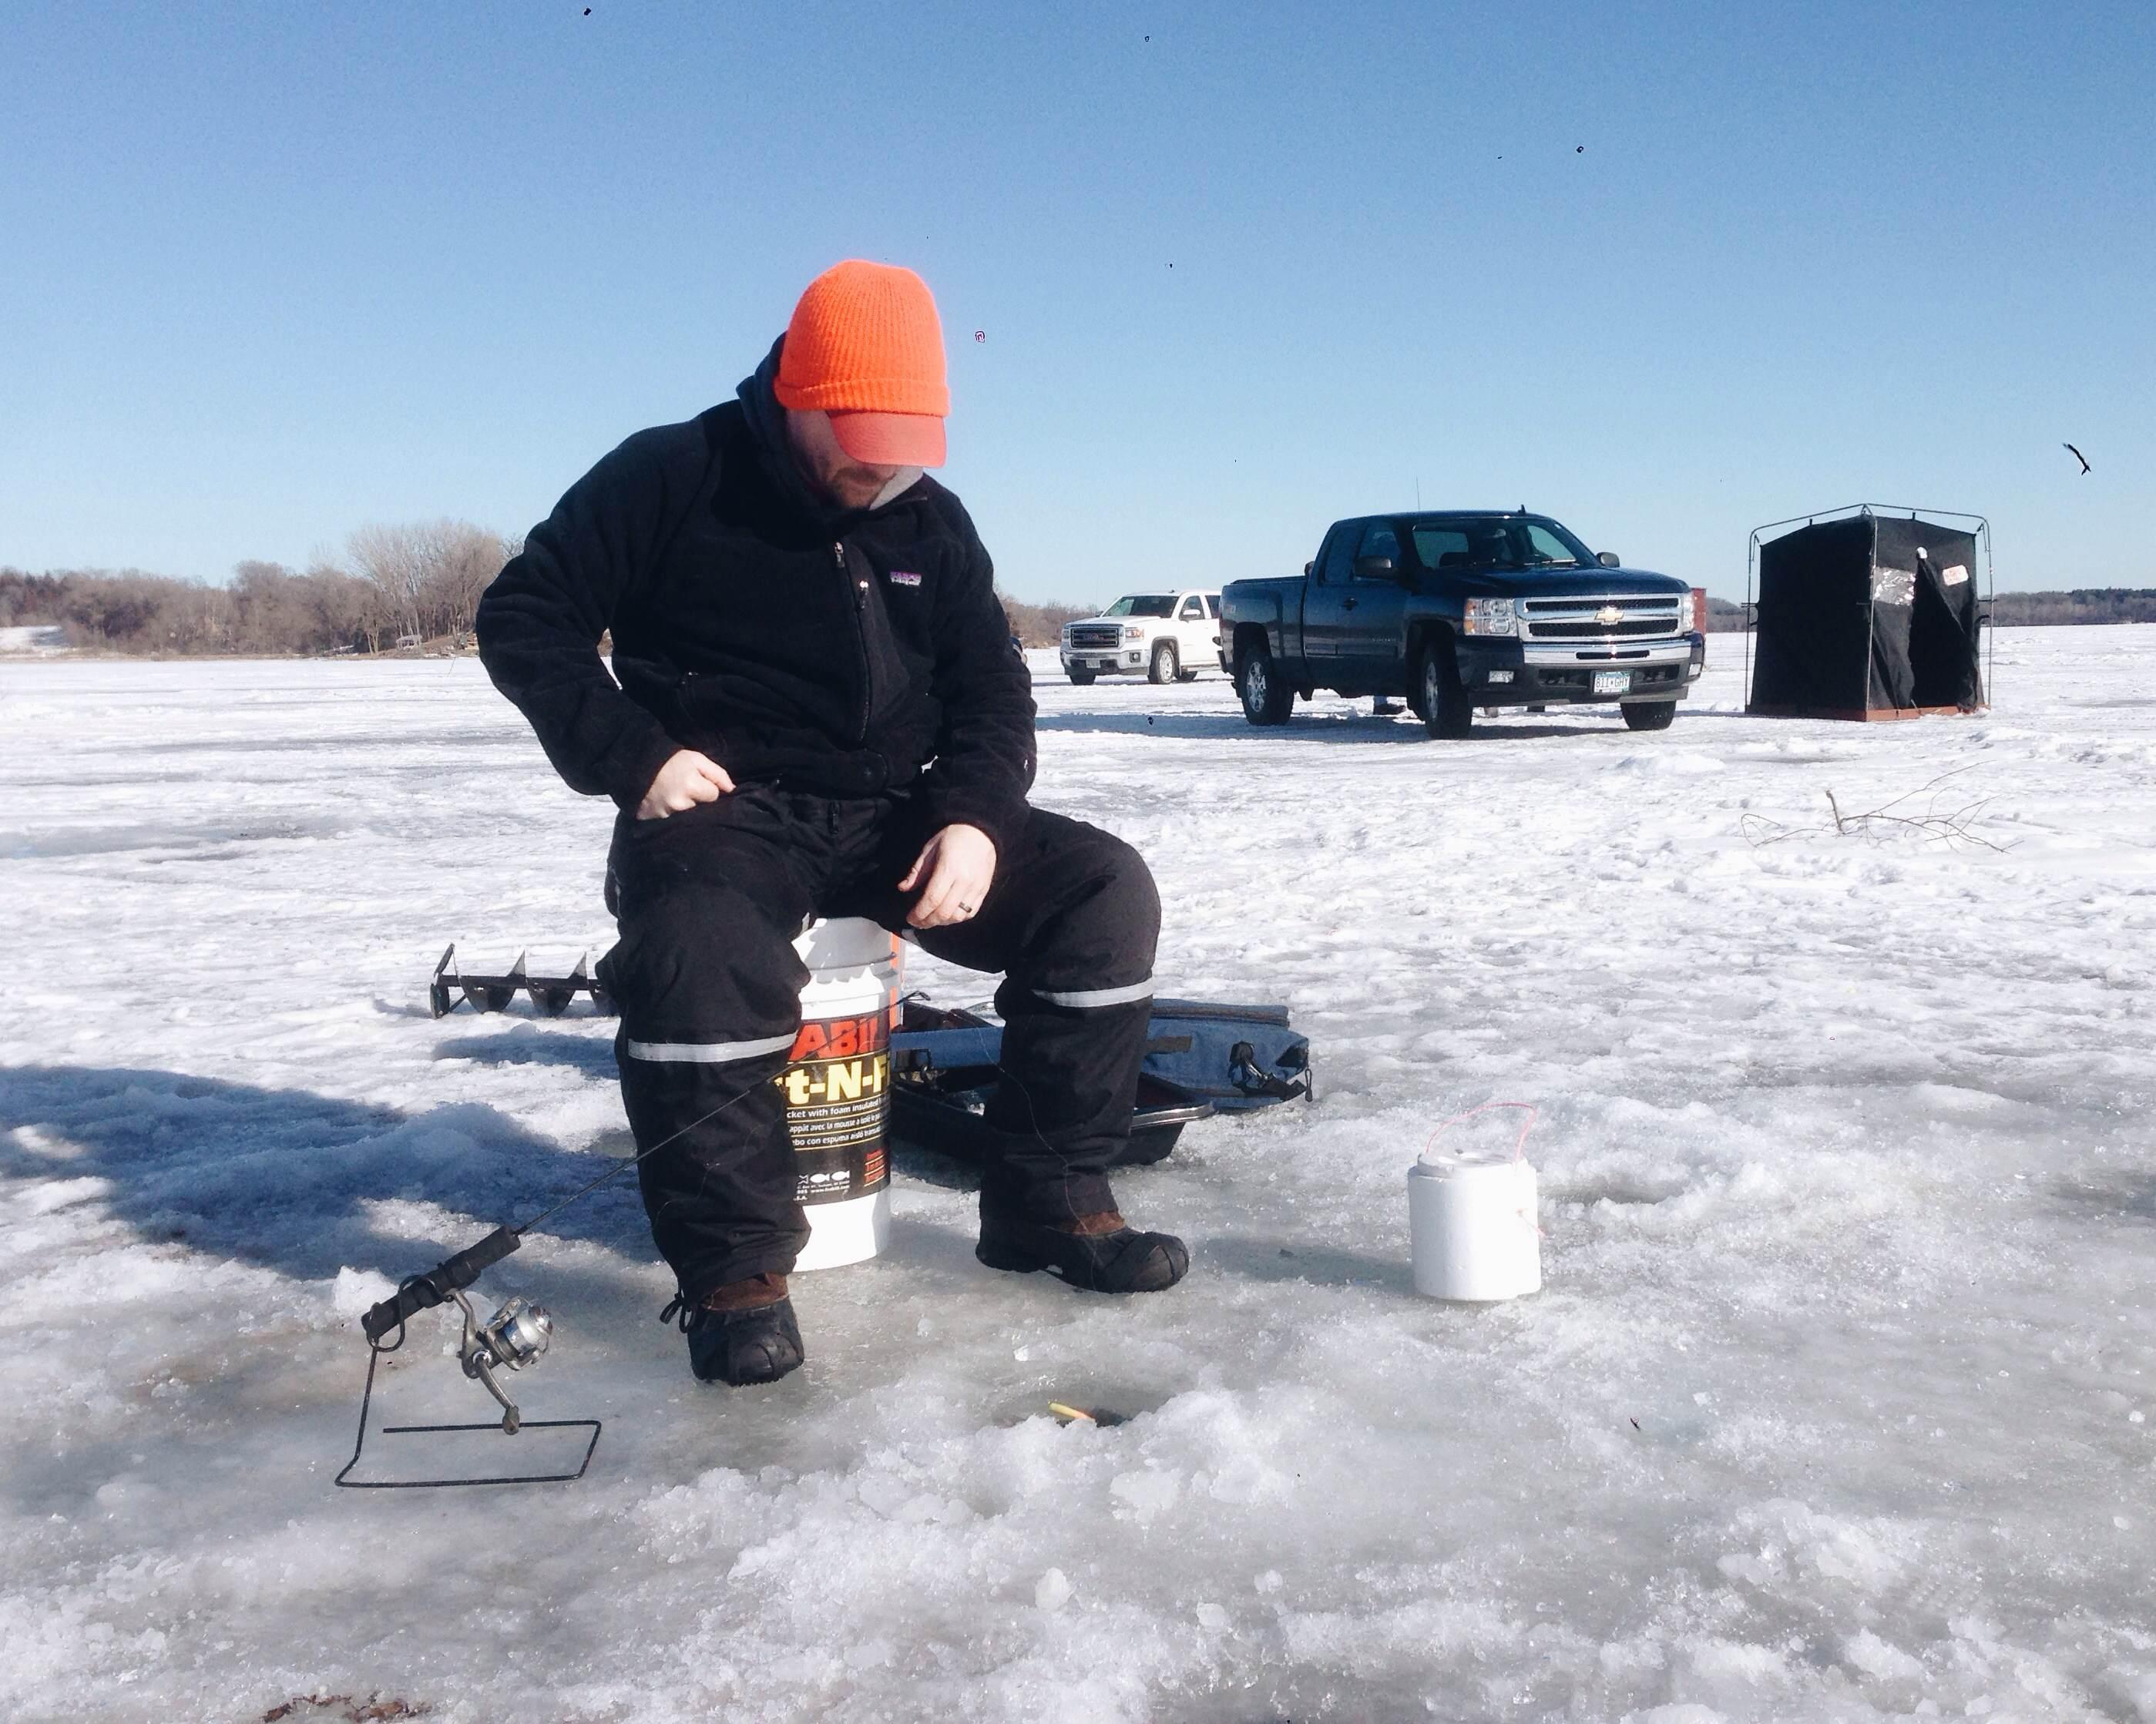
{"points": [[1167, 635]]}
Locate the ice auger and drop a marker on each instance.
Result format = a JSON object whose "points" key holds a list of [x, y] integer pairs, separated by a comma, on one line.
{"points": [[552, 994]]}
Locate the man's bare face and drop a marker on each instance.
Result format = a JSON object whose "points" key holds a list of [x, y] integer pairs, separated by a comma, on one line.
{"points": [[841, 480]]}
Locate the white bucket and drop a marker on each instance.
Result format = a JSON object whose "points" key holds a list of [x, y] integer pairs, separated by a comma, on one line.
{"points": [[837, 1085], [1471, 1220]]}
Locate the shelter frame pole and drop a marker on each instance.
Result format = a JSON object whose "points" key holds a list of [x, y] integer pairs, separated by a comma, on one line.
{"points": [[1751, 614], [1990, 608]]}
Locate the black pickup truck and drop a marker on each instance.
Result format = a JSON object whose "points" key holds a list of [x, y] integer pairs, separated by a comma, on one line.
{"points": [[1461, 609]]}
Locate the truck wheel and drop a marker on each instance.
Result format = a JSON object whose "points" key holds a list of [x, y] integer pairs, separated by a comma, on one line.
{"points": [[1266, 699], [1444, 709], [1164, 667], [1650, 714], [1082, 677]]}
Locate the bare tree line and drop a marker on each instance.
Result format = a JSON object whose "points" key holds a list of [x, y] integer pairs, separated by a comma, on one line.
{"points": [[418, 582], [402, 584], [429, 575], [1041, 625], [397, 584], [2009, 610], [2083, 604]]}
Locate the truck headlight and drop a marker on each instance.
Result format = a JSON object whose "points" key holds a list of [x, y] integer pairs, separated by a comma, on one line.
{"points": [[1132, 633], [1490, 616]]}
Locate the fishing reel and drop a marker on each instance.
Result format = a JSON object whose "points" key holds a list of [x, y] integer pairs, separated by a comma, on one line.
{"points": [[515, 1337]]}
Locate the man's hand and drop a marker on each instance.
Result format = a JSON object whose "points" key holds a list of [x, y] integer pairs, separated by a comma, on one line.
{"points": [[686, 779], [958, 864]]}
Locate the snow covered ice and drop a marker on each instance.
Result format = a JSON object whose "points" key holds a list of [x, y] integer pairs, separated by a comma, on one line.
{"points": [[1835, 1405]]}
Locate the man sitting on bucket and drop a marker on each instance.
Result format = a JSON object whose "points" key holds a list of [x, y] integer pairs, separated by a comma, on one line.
{"points": [[821, 712]]}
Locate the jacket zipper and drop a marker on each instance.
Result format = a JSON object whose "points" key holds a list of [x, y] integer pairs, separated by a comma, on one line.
{"points": [[861, 638]]}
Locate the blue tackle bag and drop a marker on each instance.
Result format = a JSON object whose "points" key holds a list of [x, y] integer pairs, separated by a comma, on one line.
{"points": [[1237, 1057]]}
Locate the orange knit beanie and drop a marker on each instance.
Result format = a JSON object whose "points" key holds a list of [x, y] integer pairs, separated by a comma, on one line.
{"points": [[864, 338]]}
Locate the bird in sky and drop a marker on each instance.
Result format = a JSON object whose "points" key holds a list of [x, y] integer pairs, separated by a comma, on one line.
{"points": [[2077, 454]]}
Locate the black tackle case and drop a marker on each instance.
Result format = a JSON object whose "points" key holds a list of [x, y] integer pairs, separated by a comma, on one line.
{"points": [[943, 1068]]}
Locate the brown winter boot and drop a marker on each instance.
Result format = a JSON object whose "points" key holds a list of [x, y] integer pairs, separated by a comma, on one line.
{"points": [[1100, 1252], [744, 1296]]}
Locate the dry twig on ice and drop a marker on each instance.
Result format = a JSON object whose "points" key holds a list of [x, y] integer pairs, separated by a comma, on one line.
{"points": [[1951, 827]]}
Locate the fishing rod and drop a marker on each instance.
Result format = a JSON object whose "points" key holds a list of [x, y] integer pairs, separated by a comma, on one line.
{"points": [[514, 1338]]}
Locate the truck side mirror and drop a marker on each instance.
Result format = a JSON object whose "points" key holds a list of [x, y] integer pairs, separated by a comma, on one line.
{"points": [[1610, 559], [1374, 568], [1309, 568]]}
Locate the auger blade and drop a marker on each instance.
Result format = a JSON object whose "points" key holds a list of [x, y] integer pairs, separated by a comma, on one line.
{"points": [[552, 995]]}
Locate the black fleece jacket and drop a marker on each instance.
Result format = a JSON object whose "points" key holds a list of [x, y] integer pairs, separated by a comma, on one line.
{"points": [[844, 653]]}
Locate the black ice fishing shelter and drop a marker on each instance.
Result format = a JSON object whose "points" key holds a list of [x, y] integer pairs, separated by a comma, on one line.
{"points": [[1868, 616]]}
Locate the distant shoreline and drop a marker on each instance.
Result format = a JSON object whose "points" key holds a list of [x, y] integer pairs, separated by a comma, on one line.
{"points": [[409, 655]]}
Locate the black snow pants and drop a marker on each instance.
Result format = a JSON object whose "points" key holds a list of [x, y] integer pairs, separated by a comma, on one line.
{"points": [[709, 903]]}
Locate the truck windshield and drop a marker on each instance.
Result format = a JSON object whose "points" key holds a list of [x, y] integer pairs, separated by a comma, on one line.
{"points": [[1498, 541], [1149, 604]]}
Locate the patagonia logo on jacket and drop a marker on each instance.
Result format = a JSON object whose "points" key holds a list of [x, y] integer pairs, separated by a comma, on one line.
{"points": [[904, 577]]}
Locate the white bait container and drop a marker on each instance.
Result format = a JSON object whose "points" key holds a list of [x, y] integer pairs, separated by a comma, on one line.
{"points": [[1471, 1220], [837, 1083]]}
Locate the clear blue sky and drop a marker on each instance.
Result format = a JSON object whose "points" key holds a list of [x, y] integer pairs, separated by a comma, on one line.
{"points": [[274, 271]]}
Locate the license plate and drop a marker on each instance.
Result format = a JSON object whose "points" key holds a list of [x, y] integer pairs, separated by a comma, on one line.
{"points": [[1612, 682]]}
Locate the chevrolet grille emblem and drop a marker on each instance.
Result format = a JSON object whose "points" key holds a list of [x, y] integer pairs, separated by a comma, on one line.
{"points": [[1609, 616]]}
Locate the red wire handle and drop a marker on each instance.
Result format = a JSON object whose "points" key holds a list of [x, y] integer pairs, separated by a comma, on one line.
{"points": [[1519, 1144]]}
